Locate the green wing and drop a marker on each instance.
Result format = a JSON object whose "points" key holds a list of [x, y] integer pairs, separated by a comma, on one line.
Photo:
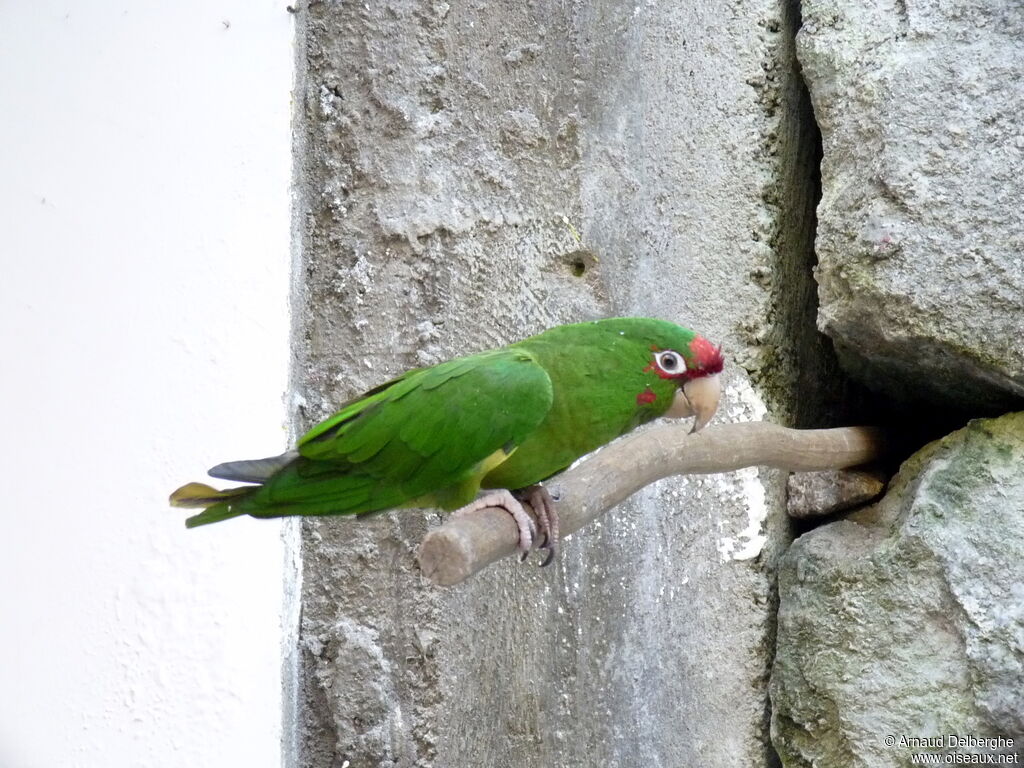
{"points": [[430, 434]]}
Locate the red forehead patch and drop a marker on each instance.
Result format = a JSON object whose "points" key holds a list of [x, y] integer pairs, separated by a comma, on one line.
{"points": [[707, 357]]}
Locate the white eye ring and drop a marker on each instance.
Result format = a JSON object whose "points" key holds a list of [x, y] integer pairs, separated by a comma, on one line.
{"points": [[670, 362]]}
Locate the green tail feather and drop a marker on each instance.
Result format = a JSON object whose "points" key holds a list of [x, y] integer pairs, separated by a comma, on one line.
{"points": [[217, 504], [214, 514]]}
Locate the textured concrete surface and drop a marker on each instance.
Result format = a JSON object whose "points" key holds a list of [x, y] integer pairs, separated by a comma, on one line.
{"points": [[473, 172], [921, 239], [908, 618]]}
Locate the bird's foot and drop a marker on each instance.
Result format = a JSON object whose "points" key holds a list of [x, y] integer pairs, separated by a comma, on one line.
{"points": [[538, 497], [505, 500]]}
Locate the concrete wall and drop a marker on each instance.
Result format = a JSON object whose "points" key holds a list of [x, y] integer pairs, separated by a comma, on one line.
{"points": [[144, 238], [471, 173]]}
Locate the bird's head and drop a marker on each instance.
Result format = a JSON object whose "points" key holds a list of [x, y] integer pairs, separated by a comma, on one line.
{"points": [[695, 363]]}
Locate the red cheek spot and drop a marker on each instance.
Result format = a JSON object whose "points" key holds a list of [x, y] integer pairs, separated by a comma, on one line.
{"points": [[646, 397]]}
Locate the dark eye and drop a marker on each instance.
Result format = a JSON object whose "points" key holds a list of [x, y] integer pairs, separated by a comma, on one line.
{"points": [[669, 361]]}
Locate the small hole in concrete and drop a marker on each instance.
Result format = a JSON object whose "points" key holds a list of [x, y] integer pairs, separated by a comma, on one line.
{"points": [[579, 262]]}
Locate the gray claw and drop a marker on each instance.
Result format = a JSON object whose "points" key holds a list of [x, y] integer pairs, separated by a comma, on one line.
{"points": [[538, 497]]}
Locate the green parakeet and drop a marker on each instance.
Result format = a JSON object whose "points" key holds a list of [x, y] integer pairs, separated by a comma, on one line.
{"points": [[503, 419]]}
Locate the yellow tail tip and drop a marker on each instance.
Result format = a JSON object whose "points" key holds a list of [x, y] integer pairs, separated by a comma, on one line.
{"points": [[196, 496]]}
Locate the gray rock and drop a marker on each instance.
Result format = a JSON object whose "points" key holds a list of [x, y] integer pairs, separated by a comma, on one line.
{"points": [[817, 494], [907, 619], [921, 237]]}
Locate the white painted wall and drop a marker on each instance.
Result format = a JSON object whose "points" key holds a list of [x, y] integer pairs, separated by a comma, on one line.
{"points": [[144, 273]]}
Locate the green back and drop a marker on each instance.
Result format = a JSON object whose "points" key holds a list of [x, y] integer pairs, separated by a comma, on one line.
{"points": [[420, 438]]}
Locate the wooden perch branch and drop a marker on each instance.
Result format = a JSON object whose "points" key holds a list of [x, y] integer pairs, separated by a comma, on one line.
{"points": [[464, 545]]}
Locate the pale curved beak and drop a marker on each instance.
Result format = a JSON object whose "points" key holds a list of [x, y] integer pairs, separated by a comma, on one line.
{"points": [[702, 396]]}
